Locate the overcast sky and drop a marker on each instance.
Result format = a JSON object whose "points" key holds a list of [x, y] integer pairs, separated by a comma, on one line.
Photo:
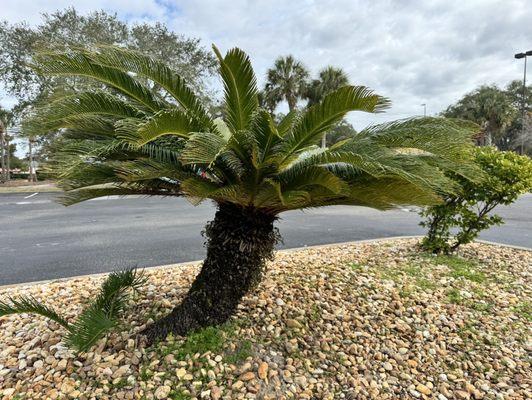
{"points": [[413, 52]]}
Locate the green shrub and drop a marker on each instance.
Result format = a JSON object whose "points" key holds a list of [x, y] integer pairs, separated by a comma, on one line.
{"points": [[503, 176], [100, 316]]}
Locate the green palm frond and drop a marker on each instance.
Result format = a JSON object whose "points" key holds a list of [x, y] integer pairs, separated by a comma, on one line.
{"points": [[67, 111], [240, 88], [321, 117], [389, 193], [88, 126], [104, 311], [79, 64], [287, 122], [30, 305], [202, 149], [74, 196], [90, 327], [302, 178], [265, 133], [157, 72], [113, 294], [98, 318], [119, 142], [166, 122], [428, 134]]}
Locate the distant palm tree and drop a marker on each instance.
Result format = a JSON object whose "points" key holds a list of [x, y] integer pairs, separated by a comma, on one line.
{"points": [[330, 79], [287, 80], [127, 140], [489, 107]]}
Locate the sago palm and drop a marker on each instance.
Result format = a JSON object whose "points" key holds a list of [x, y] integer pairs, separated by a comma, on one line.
{"points": [[124, 139]]}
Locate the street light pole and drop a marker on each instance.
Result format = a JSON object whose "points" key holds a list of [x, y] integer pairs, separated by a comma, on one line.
{"points": [[519, 56]]}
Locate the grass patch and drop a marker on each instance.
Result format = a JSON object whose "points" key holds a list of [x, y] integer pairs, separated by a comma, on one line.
{"points": [[356, 267], [315, 313], [460, 267], [120, 384], [454, 296], [412, 274], [412, 270], [425, 284], [179, 395], [210, 339], [524, 310], [240, 354], [145, 374]]}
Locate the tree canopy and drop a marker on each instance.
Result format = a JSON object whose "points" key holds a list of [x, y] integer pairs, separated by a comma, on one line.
{"points": [[68, 29], [287, 80], [499, 114]]}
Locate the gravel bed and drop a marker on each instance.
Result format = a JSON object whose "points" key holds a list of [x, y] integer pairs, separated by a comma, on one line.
{"points": [[360, 321]]}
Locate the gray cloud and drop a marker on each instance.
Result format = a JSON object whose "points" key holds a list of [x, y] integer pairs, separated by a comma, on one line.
{"points": [[411, 51]]}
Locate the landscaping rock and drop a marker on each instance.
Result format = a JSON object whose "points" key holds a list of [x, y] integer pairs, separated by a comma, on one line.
{"points": [[361, 321]]}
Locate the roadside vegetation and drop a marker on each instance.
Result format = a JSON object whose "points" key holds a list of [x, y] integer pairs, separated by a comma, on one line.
{"points": [[502, 178]]}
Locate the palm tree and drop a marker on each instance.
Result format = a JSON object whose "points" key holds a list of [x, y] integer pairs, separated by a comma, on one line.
{"points": [[330, 79], [287, 80], [489, 107], [126, 140]]}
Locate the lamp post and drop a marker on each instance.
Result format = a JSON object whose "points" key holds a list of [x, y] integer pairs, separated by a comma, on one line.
{"points": [[519, 56]]}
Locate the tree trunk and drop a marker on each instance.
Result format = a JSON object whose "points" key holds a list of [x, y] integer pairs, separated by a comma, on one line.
{"points": [[8, 157], [2, 152], [239, 241], [292, 101], [32, 177]]}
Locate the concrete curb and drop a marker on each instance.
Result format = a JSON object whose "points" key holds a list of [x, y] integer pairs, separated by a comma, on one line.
{"points": [[504, 245], [291, 250]]}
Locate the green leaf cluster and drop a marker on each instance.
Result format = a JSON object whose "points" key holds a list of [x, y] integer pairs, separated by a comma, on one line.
{"points": [[124, 139], [99, 317], [503, 177]]}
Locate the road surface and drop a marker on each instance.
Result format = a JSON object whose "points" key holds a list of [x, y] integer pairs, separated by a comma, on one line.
{"points": [[40, 239]]}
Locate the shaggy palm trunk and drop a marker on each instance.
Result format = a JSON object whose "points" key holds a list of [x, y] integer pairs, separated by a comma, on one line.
{"points": [[239, 241]]}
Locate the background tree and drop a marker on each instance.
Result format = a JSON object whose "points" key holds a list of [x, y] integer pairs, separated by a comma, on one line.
{"points": [[6, 148], [125, 140], [488, 106], [287, 80], [341, 131], [517, 138], [329, 80], [68, 29]]}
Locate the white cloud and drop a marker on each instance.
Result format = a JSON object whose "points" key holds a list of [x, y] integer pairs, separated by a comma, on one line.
{"points": [[411, 51]]}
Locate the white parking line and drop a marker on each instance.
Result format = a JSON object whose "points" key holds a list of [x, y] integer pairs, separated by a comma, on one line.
{"points": [[32, 202], [31, 195]]}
